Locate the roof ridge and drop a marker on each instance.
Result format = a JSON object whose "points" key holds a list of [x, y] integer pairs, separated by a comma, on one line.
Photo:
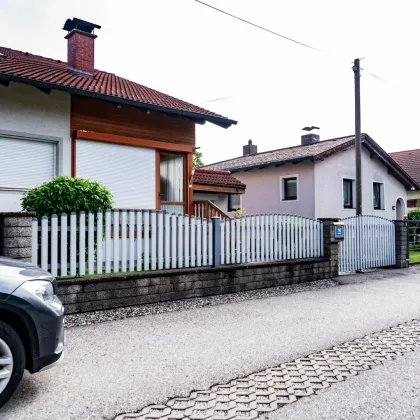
{"points": [[282, 148]]}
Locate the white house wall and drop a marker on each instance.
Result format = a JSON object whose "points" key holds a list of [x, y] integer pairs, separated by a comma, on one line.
{"points": [[263, 189], [329, 175], [26, 111]]}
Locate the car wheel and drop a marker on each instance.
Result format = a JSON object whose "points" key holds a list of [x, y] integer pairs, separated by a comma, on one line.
{"points": [[12, 361]]}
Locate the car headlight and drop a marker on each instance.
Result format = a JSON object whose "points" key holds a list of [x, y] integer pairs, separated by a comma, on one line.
{"points": [[43, 290]]}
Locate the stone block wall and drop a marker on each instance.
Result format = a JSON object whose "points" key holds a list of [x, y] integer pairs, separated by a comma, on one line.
{"points": [[401, 244], [16, 235], [114, 291]]}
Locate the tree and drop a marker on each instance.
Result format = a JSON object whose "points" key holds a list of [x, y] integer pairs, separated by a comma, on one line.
{"points": [[197, 160]]}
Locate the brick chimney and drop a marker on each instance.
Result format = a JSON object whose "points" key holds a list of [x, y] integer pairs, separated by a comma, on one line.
{"points": [[250, 149], [80, 45]]}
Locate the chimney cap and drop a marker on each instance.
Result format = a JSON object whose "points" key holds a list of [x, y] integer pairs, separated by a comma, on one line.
{"points": [[310, 128], [249, 141], [81, 25]]}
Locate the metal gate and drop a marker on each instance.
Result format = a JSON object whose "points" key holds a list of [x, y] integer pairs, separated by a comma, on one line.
{"points": [[369, 242]]}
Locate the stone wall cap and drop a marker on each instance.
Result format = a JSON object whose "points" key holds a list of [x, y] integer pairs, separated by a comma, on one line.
{"points": [[18, 214]]}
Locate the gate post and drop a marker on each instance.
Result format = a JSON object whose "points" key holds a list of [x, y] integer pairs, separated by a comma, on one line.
{"points": [[401, 244], [215, 223], [330, 247], [16, 235]]}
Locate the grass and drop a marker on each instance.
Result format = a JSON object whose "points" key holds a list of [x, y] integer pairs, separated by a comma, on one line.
{"points": [[414, 256]]}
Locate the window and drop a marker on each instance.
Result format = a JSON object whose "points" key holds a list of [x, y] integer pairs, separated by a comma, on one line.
{"points": [[234, 202], [290, 188], [26, 164], [172, 183], [348, 193], [378, 196]]}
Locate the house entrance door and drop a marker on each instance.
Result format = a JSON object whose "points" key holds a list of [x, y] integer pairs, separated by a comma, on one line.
{"points": [[171, 183]]}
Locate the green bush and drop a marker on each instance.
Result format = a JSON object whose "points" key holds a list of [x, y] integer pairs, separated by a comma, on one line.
{"points": [[414, 214], [65, 194]]}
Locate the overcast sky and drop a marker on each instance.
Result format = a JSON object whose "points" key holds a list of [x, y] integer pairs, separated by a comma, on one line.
{"points": [[187, 50]]}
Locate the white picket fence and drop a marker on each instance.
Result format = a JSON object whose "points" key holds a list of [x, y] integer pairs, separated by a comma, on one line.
{"points": [[141, 240], [369, 242]]}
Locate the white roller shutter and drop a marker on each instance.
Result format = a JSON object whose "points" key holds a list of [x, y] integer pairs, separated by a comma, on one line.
{"points": [[128, 172], [26, 163]]}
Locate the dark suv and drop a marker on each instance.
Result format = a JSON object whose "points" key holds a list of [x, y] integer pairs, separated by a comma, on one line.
{"points": [[31, 323]]}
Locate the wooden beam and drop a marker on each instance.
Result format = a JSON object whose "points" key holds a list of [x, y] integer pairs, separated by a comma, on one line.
{"points": [[217, 188], [132, 141]]}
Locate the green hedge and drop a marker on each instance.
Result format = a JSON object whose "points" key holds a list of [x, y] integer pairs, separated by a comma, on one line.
{"points": [[65, 194]]}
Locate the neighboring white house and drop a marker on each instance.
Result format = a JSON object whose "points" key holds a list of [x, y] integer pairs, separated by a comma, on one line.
{"points": [[317, 179]]}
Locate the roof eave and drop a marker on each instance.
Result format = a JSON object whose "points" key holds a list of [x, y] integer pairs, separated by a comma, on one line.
{"points": [[221, 122]]}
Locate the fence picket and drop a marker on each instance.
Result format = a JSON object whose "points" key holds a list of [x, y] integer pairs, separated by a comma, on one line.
{"points": [[99, 242], [54, 244], [257, 237], [146, 240], [232, 241], [73, 245], [204, 238], [139, 235], [153, 238], [193, 234], [116, 241], [222, 241], [44, 243], [167, 236], [238, 229], [180, 234], [248, 239], [186, 241], [160, 230], [252, 238], [227, 238], [91, 243], [108, 255], [123, 241], [210, 239], [198, 243], [173, 240], [131, 241], [82, 243]]}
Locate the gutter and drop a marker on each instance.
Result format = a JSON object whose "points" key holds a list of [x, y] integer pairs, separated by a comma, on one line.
{"points": [[222, 122]]}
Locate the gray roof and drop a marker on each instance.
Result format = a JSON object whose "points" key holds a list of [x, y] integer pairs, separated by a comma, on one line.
{"points": [[289, 154], [313, 152]]}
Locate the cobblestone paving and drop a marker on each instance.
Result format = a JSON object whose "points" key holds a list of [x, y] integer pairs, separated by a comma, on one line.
{"points": [[259, 393]]}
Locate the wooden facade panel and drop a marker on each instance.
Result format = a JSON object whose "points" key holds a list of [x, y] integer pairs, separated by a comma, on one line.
{"points": [[104, 117]]}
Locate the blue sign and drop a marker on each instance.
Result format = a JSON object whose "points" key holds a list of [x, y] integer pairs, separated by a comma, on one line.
{"points": [[339, 231]]}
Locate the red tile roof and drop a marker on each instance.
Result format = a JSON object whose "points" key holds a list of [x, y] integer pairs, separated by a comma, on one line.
{"points": [[218, 178], [409, 160], [49, 73]]}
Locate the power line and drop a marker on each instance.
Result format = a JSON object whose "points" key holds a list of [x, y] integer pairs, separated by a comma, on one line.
{"points": [[271, 32], [258, 26], [218, 99]]}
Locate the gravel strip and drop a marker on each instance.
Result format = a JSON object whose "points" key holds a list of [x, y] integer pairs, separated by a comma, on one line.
{"points": [[88, 318]]}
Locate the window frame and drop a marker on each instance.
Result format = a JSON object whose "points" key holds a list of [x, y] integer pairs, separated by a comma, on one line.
{"points": [[381, 196], [283, 180], [353, 193], [39, 138]]}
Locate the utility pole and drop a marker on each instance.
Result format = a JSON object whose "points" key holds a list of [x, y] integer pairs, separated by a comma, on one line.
{"points": [[356, 69]]}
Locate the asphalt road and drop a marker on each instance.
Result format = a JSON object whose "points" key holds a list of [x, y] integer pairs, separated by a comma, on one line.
{"points": [[121, 366]]}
